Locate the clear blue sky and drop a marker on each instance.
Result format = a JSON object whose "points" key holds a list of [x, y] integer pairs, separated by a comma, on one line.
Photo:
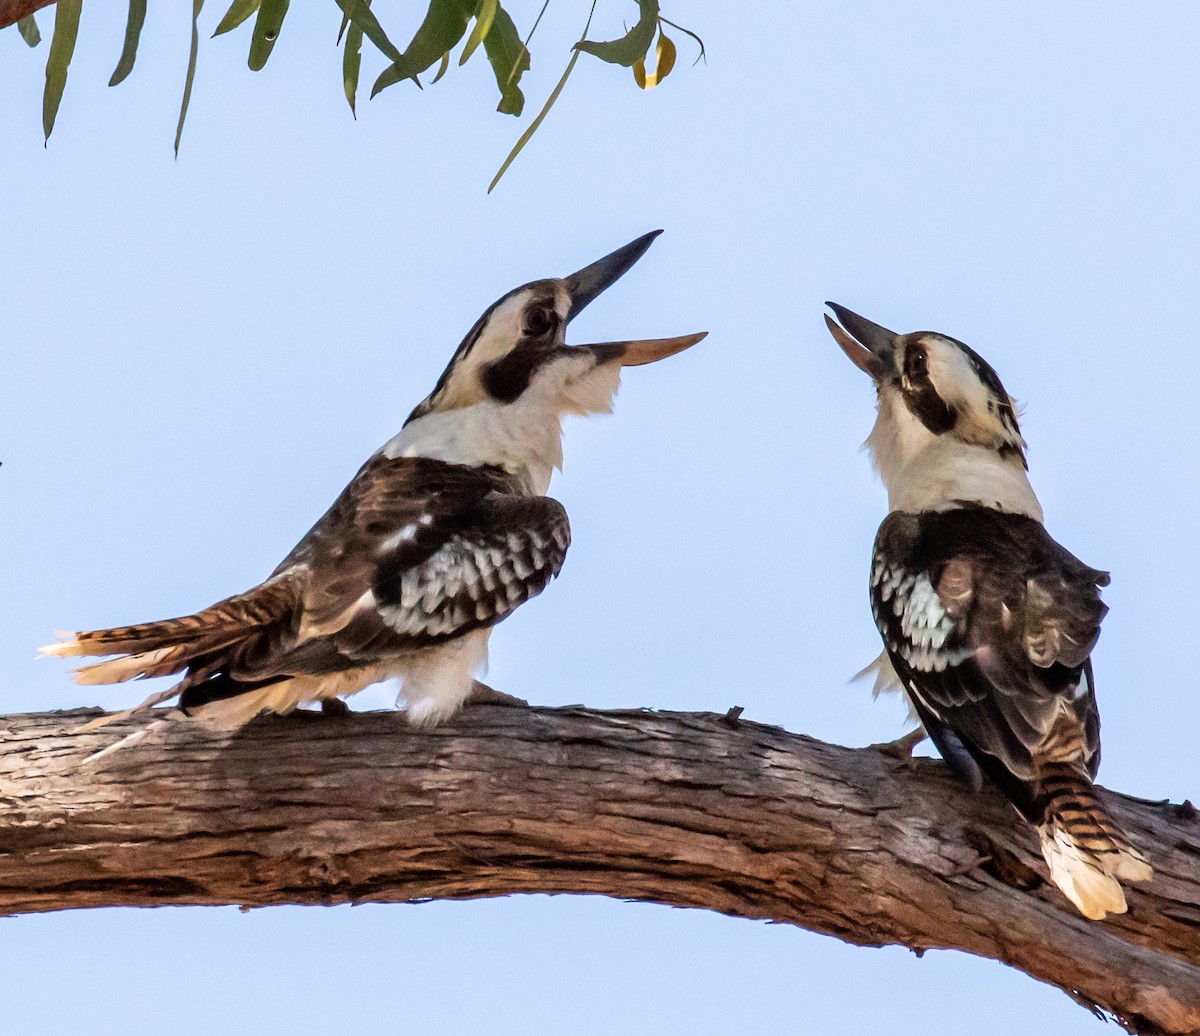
{"points": [[198, 354]]}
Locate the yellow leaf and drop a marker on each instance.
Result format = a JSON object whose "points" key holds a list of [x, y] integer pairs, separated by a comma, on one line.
{"points": [[639, 72], [664, 61], [664, 56]]}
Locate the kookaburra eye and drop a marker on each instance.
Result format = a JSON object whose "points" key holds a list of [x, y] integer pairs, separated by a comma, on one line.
{"points": [[538, 321], [916, 362]]}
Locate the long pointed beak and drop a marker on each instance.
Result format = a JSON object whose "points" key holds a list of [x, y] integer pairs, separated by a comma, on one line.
{"points": [[643, 350], [869, 345], [584, 285]]}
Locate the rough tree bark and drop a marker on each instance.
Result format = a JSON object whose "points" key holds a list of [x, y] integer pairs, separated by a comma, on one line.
{"points": [[687, 809], [12, 11]]}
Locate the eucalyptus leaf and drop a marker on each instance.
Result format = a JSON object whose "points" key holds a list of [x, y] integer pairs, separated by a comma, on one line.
{"points": [[633, 45], [197, 5], [554, 94], [266, 31], [28, 29], [352, 62], [664, 61], [62, 48], [484, 17], [538, 119], [664, 57], [444, 25], [359, 12], [441, 68], [238, 12], [133, 33], [509, 58]]}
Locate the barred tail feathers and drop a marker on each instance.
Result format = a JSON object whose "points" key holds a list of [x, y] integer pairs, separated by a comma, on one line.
{"points": [[169, 646], [1085, 848]]}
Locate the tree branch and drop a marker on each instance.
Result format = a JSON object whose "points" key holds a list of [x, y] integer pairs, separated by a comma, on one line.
{"points": [[12, 11], [686, 809]]}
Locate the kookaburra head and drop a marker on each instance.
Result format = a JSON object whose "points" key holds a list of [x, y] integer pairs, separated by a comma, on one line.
{"points": [[505, 391], [946, 431]]}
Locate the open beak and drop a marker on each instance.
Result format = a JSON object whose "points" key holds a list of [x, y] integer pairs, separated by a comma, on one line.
{"points": [[644, 350], [584, 285], [868, 345]]}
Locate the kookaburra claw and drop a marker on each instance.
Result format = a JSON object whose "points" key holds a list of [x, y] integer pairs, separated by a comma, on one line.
{"points": [[902, 748], [482, 694]]}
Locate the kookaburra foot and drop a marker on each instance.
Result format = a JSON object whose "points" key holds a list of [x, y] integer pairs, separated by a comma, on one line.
{"points": [[481, 692], [902, 747], [334, 707], [977, 861]]}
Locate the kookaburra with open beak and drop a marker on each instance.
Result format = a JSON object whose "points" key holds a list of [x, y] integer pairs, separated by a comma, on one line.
{"points": [[443, 533], [987, 621]]}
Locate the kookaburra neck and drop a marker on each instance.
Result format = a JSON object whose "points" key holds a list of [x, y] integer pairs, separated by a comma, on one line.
{"points": [[523, 437], [926, 472]]}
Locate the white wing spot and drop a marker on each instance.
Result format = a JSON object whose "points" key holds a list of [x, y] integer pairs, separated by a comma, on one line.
{"points": [[925, 625], [405, 535]]}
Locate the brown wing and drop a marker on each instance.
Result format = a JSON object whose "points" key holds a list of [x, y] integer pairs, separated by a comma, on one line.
{"points": [[412, 552], [415, 552], [989, 624]]}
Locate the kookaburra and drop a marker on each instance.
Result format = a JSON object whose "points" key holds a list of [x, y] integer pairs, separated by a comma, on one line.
{"points": [[987, 621], [443, 533]]}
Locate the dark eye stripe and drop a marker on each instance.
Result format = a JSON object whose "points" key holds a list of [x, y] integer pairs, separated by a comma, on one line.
{"points": [[921, 397], [508, 377]]}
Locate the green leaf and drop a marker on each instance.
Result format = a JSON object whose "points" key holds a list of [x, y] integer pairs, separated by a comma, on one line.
{"points": [[444, 25], [266, 31], [28, 29], [633, 45], [358, 11], [484, 16], [62, 48], [133, 33], [238, 12], [538, 119], [509, 58], [191, 71], [529, 132], [352, 61], [441, 68]]}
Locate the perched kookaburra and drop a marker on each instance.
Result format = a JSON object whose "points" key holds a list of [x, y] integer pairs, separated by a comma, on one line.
{"points": [[445, 531], [987, 621]]}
